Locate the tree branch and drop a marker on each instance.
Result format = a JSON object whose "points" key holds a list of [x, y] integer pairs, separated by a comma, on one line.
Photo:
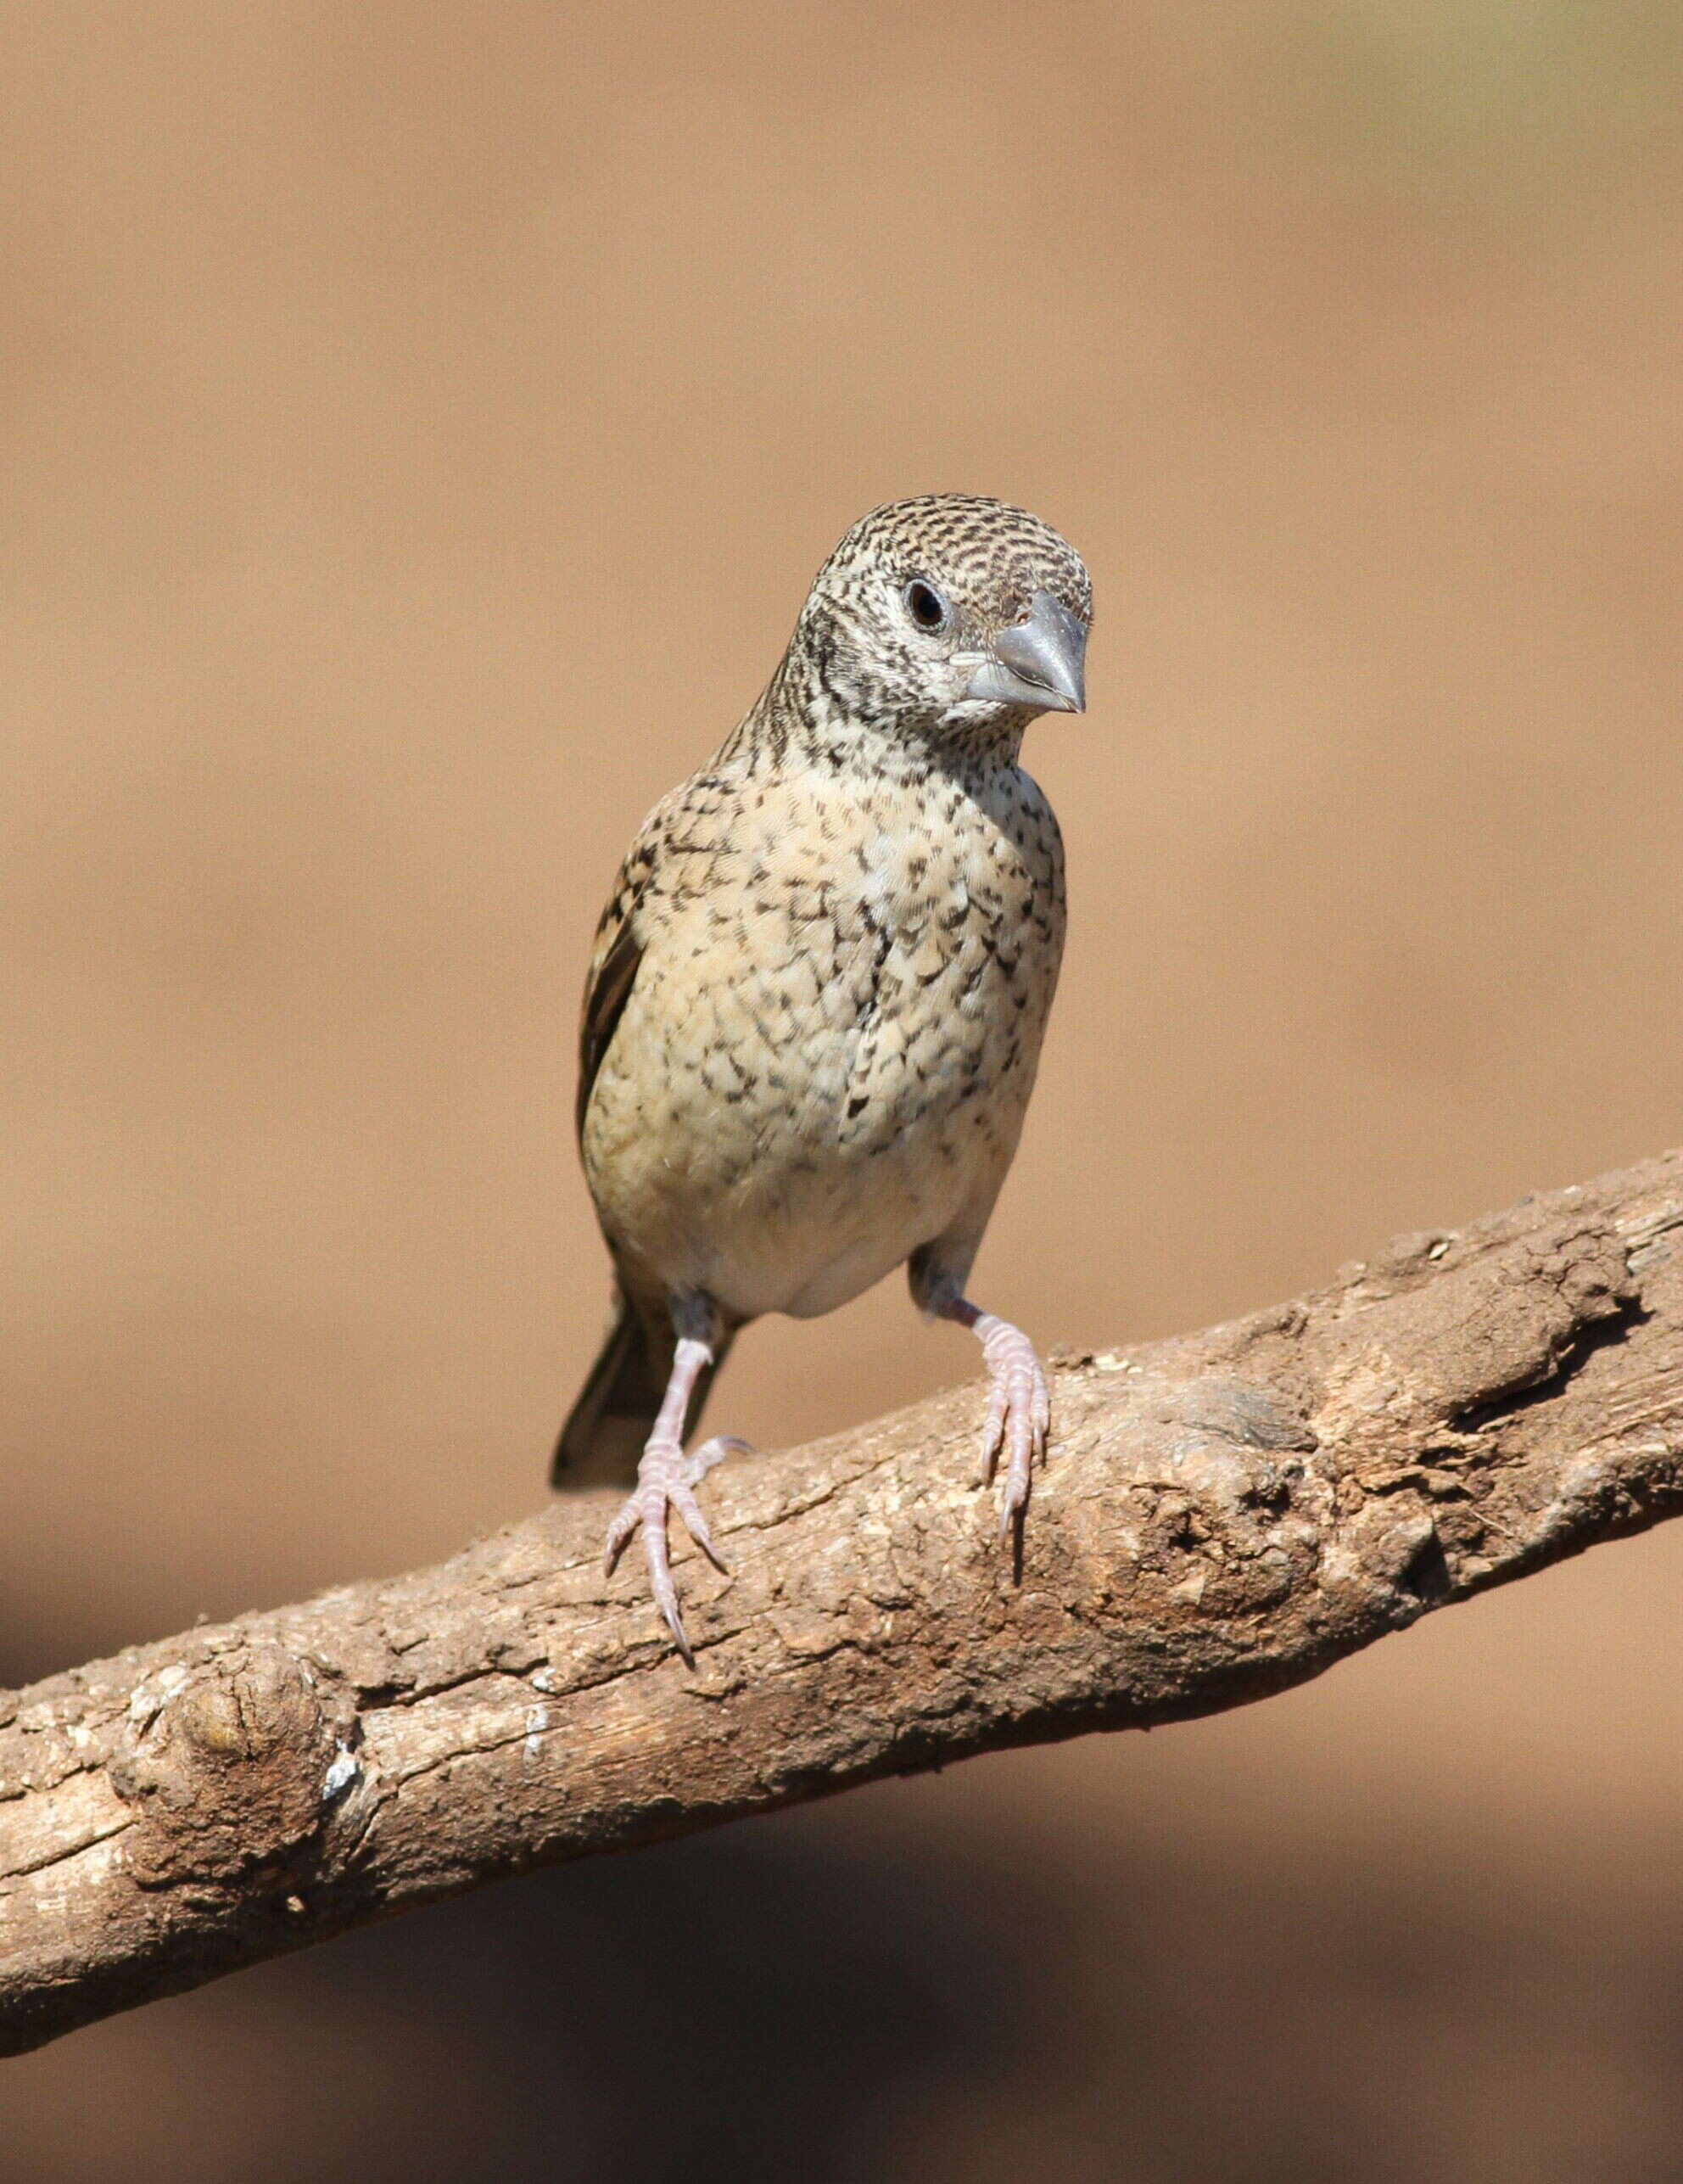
{"points": [[1224, 1515]]}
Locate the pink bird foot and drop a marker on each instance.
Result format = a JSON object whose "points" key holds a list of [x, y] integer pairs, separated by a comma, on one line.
{"points": [[1018, 1413], [666, 1480]]}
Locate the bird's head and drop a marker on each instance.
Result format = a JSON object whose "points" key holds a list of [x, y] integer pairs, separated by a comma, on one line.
{"points": [[949, 616]]}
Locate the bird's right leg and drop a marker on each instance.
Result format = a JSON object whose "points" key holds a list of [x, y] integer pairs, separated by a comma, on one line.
{"points": [[666, 1477]]}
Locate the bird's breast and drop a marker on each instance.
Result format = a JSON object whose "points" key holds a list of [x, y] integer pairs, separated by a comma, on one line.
{"points": [[829, 1047]]}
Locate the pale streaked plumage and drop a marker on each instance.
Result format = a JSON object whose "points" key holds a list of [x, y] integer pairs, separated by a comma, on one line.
{"points": [[816, 1001]]}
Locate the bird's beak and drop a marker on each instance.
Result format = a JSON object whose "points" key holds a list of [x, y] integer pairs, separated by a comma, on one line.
{"points": [[1040, 662]]}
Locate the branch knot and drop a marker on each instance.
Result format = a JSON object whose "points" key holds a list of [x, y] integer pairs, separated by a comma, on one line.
{"points": [[226, 1773]]}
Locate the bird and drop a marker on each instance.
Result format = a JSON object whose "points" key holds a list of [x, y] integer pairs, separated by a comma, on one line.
{"points": [[815, 1003]]}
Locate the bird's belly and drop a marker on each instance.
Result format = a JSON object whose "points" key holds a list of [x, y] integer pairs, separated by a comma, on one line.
{"points": [[807, 1232]]}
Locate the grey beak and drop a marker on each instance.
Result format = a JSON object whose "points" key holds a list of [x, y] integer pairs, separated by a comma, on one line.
{"points": [[1040, 662]]}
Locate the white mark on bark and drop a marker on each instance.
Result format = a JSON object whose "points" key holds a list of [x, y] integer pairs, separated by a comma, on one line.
{"points": [[340, 1775]]}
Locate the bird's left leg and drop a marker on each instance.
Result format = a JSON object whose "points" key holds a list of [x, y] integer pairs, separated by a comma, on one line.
{"points": [[1019, 1401], [666, 1477]]}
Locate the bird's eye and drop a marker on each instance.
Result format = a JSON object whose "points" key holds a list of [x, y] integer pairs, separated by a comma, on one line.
{"points": [[926, 606]]}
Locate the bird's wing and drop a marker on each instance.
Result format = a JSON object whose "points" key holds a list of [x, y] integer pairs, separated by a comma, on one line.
{"points": [[677, 851], [613, 963]]}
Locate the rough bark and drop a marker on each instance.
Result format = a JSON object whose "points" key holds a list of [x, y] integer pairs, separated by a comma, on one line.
{"points": [[1223, 1514]]}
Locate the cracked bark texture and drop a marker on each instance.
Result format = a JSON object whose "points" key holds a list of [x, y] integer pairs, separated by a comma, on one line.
{"points": [[1223, 1514]]}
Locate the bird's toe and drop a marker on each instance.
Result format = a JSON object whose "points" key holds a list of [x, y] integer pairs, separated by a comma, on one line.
{"points": [[666, 1479]]}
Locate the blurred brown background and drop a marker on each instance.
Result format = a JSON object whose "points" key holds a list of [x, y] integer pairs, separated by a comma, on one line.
{"points": [[423, 422]]}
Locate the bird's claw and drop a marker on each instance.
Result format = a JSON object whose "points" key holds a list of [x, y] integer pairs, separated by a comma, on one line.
{"points": [[666, 1479], [1019, 1416]]}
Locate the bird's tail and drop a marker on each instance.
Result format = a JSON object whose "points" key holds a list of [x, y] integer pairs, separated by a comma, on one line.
{"points": [[618, 1403]]}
